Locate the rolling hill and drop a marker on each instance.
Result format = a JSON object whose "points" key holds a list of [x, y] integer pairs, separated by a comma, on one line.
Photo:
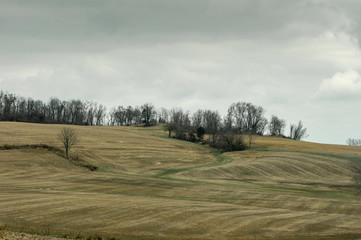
{"points": [[148, 186]]}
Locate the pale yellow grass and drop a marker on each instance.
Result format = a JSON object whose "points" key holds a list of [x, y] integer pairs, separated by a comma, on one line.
{"points": [[259, 195], [286, 143], [126, 149]]}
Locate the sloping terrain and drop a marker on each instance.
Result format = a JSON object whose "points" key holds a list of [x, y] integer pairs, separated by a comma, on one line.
{"points": [[150, 187]]}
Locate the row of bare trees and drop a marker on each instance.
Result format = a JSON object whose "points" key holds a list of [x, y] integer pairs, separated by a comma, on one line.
{"points": [[242, 120], [145, 114], [242, 117], [15, 108]]}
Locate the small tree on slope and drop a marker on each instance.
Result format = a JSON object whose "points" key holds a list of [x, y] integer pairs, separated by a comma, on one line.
{"points": [[69, 138], [297, 132]]}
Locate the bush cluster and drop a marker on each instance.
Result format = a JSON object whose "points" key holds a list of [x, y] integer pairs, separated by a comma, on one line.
{"points": [[224, 141], [228, 142]]}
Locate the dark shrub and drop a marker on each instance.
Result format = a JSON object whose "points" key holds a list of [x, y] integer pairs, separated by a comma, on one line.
{"points": [[228, 142], [200, 132], [191, 137]]}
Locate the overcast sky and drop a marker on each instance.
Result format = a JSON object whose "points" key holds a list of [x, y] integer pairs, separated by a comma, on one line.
{"points": [[300, 60]]}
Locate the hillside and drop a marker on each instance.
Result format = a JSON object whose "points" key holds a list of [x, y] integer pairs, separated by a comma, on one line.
{"points": [[150, 187]]}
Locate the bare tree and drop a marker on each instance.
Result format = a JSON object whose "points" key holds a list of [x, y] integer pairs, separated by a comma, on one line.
{"points": [[147, 114], [100, 114], [163, 115], [212, 122], [179, 122], [170, 127], [179, 117], [276, 126], [246, 118], [69, 138], [197, 118], [118, 116], [91, 113], [353, 142], [297, 132]]}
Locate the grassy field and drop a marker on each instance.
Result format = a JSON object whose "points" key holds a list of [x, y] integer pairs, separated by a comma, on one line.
{"points": [[150, 187]]}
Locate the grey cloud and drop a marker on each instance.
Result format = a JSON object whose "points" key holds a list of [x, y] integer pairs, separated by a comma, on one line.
{"points": [[95, 25], [191, 54]]}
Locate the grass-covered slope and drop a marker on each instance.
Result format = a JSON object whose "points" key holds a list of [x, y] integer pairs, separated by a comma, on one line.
{"points": [[150, 187]]}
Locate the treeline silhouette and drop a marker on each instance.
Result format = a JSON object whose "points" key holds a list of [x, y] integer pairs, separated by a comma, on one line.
{"points": [[17, 108], [242, 119]]}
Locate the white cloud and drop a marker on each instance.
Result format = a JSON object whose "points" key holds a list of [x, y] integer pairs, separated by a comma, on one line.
{"points": [[338, 49], [341, 85]]}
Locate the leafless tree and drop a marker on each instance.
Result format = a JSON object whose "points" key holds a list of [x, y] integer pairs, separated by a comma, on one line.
{"points": [[128, 115], [353, 142], [246, 118], [69, 138], [197, 118], [77, 110], [100, 114], [170, 127], [137, 113], [118, 116], [212, 122], [179, 122], [276, 126], [59, 106], [52, 108], [163, 115], [148, 112], [298, 132], [21, 109], [91, 113], [179, 117], [256, 122]]}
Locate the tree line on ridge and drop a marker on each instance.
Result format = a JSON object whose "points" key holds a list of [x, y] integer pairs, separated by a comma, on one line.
{"points": [[242, 119]]}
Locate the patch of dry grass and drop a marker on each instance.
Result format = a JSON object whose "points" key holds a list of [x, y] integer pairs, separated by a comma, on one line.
{"points": [[285, 143], [259, 195]]}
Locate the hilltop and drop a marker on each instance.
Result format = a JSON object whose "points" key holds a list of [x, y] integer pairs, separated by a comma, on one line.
{"points": [[149, 186]]}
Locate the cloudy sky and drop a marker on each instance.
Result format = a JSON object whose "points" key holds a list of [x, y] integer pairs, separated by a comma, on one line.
{"points": [[300, 60]]}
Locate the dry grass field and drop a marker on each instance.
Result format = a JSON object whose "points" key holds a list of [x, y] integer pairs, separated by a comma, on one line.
{"points": [[150, 187]]}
